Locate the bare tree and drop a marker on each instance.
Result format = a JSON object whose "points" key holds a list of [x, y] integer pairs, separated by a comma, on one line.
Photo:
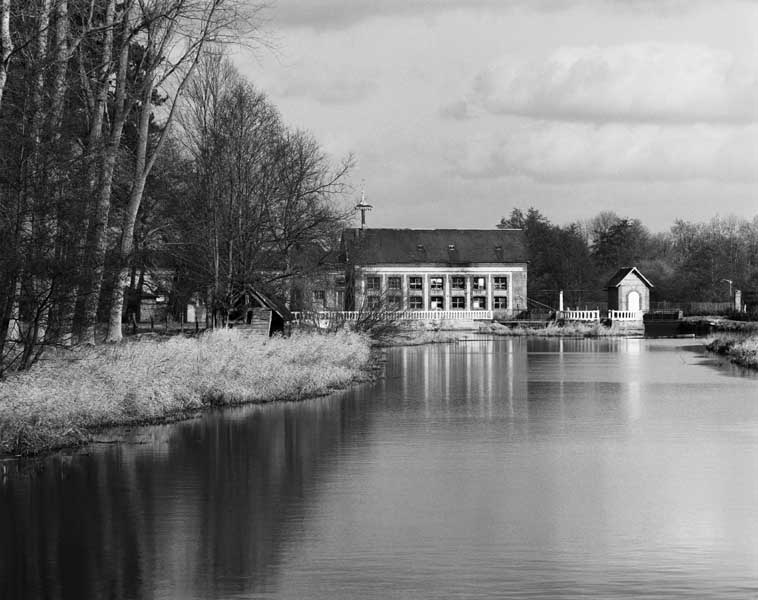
{"points": [[175, 35]]}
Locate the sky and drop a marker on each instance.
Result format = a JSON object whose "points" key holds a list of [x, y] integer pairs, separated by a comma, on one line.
{"points": [[458, 111]]}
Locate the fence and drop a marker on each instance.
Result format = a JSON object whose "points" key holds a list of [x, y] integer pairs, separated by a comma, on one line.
{"points": [[399, 315], [625, 315], [695, 308], [580, 315]]}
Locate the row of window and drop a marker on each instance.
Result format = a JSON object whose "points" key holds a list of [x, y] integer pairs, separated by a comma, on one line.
{"points": [[437, 282], [436, 303]]}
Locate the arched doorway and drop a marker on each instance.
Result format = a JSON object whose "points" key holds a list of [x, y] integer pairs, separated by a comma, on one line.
{"points": [[633, 301]]}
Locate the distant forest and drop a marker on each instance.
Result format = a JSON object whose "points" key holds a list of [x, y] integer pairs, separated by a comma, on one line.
{"points": [[692, 262], [128, 141]]}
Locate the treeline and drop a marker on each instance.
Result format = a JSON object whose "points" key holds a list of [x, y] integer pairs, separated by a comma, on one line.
{"points": [[692, 262], [128, 141]]}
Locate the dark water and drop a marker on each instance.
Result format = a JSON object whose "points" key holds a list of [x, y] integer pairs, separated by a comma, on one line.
{"points": [[510, 468]]}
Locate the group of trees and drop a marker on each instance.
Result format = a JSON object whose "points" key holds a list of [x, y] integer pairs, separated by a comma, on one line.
{"points": [[127, 139], [692, 262]]}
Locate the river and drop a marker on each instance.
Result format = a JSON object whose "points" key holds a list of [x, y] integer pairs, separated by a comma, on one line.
{"points": [[522, 468]]}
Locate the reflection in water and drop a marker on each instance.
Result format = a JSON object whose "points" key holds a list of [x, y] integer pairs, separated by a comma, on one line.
{"points": [[514, 467], [197, 509]]}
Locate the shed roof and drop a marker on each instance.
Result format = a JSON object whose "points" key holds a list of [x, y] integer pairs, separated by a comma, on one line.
{"points": [[619, 276], [446, 246], [270, 301]]}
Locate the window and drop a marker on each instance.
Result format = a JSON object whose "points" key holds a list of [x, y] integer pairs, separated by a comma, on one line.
{"points": [[339, 281], [436, 283], [374, 283], [459, 302], [479, 303], [372, 302], [501, 302], [500, 283], [394, 302], [436, 303], [319, 297], [415, 302], [415, 283], [340, 300], [479, 283], [393, 283], [458, 283]]}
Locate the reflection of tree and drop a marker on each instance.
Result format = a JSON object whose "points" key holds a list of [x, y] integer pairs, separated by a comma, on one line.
{"points": [[202, 510]]}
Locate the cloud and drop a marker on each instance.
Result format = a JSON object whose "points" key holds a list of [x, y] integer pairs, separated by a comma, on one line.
{"points": [[644, 82], [327, 14], [333, 90], [578, 152]]}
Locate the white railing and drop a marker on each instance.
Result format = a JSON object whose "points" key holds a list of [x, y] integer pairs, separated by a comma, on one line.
{"points": [[580, 315], [625, 315], [399, 315]]}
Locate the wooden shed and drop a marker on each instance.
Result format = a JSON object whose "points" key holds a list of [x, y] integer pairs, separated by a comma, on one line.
{"points": [[262, 312], [629, 289]]}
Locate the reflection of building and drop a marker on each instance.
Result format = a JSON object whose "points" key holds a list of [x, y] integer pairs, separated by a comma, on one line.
{"points": [[435, 269], [629, 290]]}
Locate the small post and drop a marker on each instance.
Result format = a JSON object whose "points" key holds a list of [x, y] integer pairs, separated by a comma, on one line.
{"points": [[560, 301]]}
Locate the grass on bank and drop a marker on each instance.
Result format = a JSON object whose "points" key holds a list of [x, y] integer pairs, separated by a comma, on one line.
{"points": [[559, 330], [61, 401], [740, 349]]}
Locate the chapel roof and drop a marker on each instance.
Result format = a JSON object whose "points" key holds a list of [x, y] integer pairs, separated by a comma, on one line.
{"points": [[618, 277]]}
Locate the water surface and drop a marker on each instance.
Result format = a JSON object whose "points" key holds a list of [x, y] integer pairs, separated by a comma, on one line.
{"points": [[507, 468]]}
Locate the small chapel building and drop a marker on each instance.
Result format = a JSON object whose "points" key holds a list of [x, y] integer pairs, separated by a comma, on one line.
{"points": [[435, 269], [629, 290]]}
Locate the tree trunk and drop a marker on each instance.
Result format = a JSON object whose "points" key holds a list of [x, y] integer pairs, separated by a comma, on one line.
{"points": [[6, 43], [97, 242], [141, 171], [52, 219], [32, 171], [73, 305]]}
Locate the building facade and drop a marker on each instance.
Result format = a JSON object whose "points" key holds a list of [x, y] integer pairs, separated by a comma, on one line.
{"points": [[435, 270], [629, 289]]}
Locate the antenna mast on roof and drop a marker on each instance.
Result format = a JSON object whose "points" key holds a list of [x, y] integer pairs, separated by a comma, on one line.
{"points": [[363, 207]]}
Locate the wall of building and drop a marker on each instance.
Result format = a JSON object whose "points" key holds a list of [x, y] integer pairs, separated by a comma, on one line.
{"points": [[619, 300], [322, 291], [425, 287]]}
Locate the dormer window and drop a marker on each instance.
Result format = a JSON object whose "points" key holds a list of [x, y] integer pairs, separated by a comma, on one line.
{"points": [[451, 247]]}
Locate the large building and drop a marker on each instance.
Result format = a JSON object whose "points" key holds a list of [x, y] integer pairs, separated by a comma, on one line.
{"points": [[435, 269]]}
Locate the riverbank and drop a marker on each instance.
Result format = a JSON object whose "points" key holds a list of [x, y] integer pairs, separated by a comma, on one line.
{"points": [[67, 398], [563, 330], [740, 349]]}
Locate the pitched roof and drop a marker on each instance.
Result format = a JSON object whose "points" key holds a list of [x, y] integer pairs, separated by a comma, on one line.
{"points": [[269, 300], [615, 281], [446, 246]]}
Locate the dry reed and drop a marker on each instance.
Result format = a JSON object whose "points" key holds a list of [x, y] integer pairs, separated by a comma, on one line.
{"points": [[742, 349], [63, 400]]}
